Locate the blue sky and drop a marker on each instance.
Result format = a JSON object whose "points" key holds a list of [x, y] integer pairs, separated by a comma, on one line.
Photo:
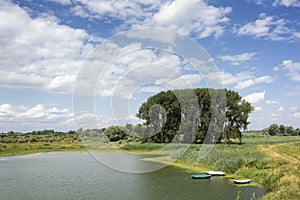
{"points": [[255, 45]]}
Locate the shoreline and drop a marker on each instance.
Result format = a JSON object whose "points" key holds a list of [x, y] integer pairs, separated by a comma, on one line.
{"points": [[193, 168], [278, 176]]}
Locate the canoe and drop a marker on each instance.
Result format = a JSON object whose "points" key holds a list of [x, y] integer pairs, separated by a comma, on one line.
{"points": [[201, 176], [216, 173], [243, 181]]}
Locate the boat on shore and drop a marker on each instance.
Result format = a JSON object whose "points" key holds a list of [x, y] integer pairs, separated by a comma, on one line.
{"points": [[201, 176], [216, 173], [243, 181]]}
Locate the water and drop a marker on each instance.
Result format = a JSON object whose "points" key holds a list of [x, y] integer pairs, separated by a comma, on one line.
{"points": [[75, 175]]}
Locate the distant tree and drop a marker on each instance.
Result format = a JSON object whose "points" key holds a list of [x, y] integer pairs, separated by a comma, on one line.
{"points": [[71, 132], [282, 130], [296, 131], [289, 130], [80, 131], [114, 133], [273, 130], [129, 128]]}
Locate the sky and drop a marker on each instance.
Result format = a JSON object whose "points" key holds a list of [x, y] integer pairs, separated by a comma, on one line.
{"points": [[132, 49]]}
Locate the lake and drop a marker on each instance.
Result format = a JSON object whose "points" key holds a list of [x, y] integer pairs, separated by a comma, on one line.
{"points": [[78, 175]]}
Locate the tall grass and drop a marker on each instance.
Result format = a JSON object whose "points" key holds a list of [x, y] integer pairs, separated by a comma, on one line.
{"points": [[228, 158]]}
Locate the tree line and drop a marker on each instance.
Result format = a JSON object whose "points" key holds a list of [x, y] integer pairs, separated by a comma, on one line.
{"points": [[281, 130], [180, 116]]}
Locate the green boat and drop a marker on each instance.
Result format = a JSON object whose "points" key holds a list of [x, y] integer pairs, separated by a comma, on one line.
{"points": [[201, 176]]}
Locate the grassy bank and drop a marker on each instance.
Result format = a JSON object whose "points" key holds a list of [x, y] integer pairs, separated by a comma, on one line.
{"points": [[284, 167], [273, 162], [12, 149]]}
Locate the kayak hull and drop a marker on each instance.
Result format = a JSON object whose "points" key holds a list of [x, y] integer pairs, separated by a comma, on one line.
{"points": [[201, 176], [244, 181], [216, 173]]}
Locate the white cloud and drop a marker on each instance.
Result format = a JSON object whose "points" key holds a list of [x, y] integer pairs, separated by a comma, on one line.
{"points": [[296, 114], [255, 97], [287, 116], [280, 109], [62, 83], [244, 84], [241, 80], [293, 69], [228, 78], [257, 109], [38, 116], [184, 16], [180, 82], [127, 10], [251, 82], [238, 59], [267, 27], [272, 102], [297, 34], [259, 2], [287, 3], [144, 67], [63, 2], [35, 51], [192, 16]]}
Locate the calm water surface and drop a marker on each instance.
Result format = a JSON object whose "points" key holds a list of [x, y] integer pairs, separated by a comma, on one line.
{"points": [[67, 176]]}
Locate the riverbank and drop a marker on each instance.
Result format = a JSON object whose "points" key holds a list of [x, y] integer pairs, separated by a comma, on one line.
{"points": [[271, 162]]}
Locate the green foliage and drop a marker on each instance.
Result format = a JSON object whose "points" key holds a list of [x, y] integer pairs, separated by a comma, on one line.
{"points": [[195, 114], [114, 133], [275, 129], [147, 147], [228, 158]]}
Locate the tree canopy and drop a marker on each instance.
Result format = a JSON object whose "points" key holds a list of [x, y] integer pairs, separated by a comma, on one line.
{"points": [[195, 115]]}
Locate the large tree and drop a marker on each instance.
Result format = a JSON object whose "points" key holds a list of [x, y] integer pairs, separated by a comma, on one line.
{"points": [[192, 115]]}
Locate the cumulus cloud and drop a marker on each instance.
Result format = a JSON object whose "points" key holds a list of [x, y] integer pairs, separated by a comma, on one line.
{"points": [[287, 116], [280, 109], [61, 83], [255, 97], [228, 78], [38, 116], [251, 82], [272, 102], [287, 3], [143, 68], [292, 68], [240, 80], [37, 51], [257, 109], [267, 27], [296, 114], [185, 16], [238, 59], [63, 2]]}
